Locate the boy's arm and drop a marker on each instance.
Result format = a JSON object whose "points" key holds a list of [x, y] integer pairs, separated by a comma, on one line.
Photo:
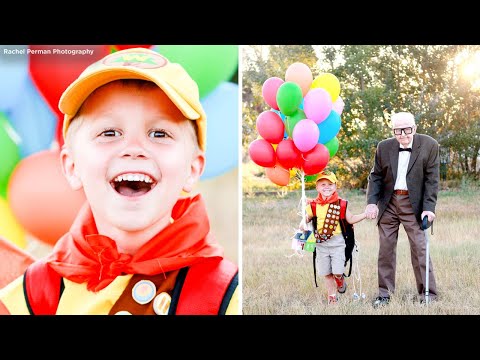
{"points": [[352, 219], [308, 218]]}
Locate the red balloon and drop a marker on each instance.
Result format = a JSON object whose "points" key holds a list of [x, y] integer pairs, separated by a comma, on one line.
{"points": [[261, 152], [278, 175], [53, 73], [270, 127], [123, 47], [41, 198], [288, 155], [316, 159]]}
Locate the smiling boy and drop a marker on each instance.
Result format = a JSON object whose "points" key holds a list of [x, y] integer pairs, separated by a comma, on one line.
{"points": [[330, 243], [135, 137]]}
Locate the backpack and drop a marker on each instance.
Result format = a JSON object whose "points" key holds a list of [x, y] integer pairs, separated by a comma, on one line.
{"points": [[347, 232], [205, 288]]}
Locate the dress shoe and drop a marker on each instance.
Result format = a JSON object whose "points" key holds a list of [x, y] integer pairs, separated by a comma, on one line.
{"points": [[381, 301]]}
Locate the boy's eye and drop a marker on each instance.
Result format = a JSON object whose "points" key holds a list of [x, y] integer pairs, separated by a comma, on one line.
{"points": [[157, 134], [110, 132]]}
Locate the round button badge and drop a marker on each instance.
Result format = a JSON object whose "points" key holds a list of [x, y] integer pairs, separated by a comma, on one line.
{"points": [[123, 312], [144, 291], [161, 303]]}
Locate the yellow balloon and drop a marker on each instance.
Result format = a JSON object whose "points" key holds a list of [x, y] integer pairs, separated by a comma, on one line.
{"points": [[10, 229], [328, 82], [293, 172], [275, 146]]}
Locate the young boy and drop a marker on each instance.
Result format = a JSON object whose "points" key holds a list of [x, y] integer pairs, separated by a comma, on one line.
{"points": [[135, 137], [330, 246]]}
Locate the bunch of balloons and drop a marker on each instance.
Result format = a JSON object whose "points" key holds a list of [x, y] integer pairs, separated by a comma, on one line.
{"points": [[35, 198], [300, 130]]}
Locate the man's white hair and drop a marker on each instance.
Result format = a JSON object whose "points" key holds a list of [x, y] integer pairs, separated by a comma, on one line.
{"points": [[402, 115]]}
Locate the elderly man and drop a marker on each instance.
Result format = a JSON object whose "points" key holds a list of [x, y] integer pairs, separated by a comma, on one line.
{"points": [[402, 189]]}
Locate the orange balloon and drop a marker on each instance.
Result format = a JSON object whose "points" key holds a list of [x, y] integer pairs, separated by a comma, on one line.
{"points": [[41, 198], [278, 175]]}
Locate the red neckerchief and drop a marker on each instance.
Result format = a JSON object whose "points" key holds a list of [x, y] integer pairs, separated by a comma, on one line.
{"points": [[83, 255], [331, 199]]}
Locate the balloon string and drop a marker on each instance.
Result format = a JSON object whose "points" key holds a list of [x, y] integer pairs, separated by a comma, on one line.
{"points": [[304, 199]]}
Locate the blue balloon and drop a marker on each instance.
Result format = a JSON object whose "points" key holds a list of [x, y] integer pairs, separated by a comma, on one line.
{"points": [[221, 107], [282, 115], [301, 104], [329, 127], [33, 120], [13, 72]]}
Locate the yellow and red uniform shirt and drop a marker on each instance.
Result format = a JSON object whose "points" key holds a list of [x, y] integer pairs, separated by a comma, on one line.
{"points": [[99, 280]]}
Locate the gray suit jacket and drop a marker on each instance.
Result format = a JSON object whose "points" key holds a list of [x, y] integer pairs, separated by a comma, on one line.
{"points": [[422, 174]]}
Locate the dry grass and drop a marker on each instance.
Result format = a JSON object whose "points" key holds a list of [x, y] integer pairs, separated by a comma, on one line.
{"points": [[276, 283]]}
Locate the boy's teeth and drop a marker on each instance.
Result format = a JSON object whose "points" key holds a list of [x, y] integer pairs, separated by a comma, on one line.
{"points": [[134, 177]]}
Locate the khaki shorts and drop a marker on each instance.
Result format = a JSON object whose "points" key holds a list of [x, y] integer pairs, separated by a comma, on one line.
{"points": [[331, 256]]}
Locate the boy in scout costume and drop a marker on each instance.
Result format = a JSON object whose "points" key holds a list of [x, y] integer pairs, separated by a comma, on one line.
{"points": [[330, 243], [135, 138]]}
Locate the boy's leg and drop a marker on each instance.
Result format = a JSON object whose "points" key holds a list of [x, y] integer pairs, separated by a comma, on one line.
{"points": [[340, 283], [331, 289], [337, 246]]}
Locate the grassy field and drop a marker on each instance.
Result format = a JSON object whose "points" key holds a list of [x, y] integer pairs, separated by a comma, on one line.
{"points": [[278, 281]]}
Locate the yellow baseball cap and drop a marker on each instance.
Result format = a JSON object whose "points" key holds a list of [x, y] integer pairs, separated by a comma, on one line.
{"points": [[330, 176], [143, 64]]}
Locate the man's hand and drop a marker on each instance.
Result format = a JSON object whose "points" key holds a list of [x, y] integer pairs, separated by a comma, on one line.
{"points": [[371, 211], [430, 215]]}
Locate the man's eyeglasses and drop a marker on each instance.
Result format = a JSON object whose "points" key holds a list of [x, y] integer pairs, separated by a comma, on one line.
{"points": [[406, 131]]}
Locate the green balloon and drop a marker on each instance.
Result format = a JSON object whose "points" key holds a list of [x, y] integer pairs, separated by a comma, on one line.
{"points": [[292, 120], [309, 178], [332, 146], [9, 152], [208, 65], [289, 97]]}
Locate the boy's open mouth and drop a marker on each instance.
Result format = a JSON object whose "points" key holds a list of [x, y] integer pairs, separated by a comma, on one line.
{"points": [[133, 184]]}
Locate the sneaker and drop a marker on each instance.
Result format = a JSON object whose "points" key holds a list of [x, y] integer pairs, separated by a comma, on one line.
{"points": [[341, 284], [380, 301], [332, 299]]}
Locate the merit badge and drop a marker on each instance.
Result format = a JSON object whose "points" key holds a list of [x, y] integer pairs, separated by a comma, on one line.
{"points": [[144, 291], [161, 303], [123, 312]]}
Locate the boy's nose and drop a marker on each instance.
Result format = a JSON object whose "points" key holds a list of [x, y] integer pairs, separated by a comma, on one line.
{"points": [[134, 152]]}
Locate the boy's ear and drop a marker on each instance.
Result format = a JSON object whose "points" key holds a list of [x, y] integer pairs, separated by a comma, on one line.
{"points": [[68, 168], [196, 170]]}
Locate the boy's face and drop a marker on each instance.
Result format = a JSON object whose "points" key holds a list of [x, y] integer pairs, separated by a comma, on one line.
{"points": [[133, 153], [326, 187]]}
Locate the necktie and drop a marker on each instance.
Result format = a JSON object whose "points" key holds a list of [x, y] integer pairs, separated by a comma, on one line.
{"points": [[405, 149]]}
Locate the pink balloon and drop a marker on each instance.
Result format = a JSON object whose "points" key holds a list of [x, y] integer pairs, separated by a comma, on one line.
{"points": [[316, 159], [269, 91], [270, 127], [301, 74], [338, 105], [261, 152], [305, 135], [317, 105], [288, 155]]}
